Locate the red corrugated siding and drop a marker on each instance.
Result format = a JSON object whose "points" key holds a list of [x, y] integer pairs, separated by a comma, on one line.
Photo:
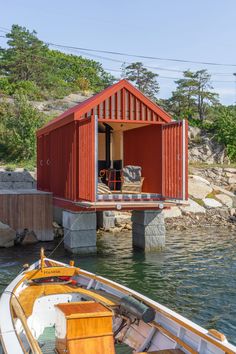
{"points": [[40, 162], [143, 147], [124, 106], [173, 159], [62, 163], [86, 159], [186, 158]]}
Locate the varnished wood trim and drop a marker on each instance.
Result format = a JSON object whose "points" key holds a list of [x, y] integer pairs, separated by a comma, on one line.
{"points": [[20, 314], [175, 338], [217, 334]]}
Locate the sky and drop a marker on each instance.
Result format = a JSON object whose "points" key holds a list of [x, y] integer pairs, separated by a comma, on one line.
{"points": [[194, 30]]}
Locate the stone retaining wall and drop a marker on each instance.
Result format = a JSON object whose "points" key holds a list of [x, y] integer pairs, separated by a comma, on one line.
{"points": [[18, 179]]}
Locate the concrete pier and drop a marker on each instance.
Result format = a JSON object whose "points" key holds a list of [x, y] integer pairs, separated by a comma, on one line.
{"points": [[105, 219], [148, 230], [80, 232]]}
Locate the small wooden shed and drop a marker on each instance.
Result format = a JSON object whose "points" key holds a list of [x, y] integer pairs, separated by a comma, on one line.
{"points": [[115, 128]]}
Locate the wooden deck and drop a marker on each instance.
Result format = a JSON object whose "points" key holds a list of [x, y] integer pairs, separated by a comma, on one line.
{"points": [[27, 209]]}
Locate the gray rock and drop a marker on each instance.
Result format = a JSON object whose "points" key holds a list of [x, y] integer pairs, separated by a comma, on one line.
{"points": [[122, 218], [29, 238], [193, 132], [230, 170], [232, 211], [225, 199], [211, 203], [173, 212], [193, 207], [7, 235], [232, 180], [224, 191], [198, 189]]}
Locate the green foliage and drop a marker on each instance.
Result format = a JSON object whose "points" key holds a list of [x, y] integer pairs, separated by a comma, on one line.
{"points": [[224, 127], [28, 66], [19, 122], [24, 60], [5, 86], [193, 96], [143, 79]]}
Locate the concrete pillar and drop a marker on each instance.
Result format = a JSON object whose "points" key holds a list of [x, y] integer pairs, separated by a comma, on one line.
{"points": [[57, 214], [105, 219], [80, 232], [148, 229]]}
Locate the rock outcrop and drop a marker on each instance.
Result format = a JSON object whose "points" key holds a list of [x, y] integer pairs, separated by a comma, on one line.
{"points": [[7, 235], [204, 148], [208, 205], [219, 176]]}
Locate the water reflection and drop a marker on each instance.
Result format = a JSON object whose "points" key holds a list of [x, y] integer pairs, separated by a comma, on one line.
{"points": [[194, 274]]}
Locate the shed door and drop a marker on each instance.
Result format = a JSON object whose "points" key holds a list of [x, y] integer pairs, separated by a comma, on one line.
{"points": [[40, 162], [175, 160], [46, 162], [87, 151], [43, 162]]}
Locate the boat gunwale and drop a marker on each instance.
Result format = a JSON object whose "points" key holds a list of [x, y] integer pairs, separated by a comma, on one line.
{"points": [[227, 347]]}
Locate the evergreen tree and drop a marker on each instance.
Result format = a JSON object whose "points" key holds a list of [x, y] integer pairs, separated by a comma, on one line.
{"points": [[26, 57], [143, 79], [193, 95]]}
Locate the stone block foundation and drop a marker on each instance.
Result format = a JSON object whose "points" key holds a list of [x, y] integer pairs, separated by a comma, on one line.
{"points": [[148, 230], [80, 232]]}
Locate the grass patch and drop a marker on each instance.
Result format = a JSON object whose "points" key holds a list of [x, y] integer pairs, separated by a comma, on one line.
{"points": [[198, 201], [205, 165], [12, 166]]}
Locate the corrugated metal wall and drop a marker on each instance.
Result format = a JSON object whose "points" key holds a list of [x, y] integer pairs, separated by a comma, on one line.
{"points": [[143, 147], [62, 163], [175, 160], [56, 163], [85, 132], [123, 105]]}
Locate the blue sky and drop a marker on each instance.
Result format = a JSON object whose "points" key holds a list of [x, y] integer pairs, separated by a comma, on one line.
{"points": [[198, 30]]}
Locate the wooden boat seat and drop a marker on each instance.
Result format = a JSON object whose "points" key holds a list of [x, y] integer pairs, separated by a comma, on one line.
{"points": [[33, 292]]}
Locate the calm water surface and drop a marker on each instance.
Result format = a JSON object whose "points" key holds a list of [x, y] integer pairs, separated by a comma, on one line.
{"points": [[195, 274]]}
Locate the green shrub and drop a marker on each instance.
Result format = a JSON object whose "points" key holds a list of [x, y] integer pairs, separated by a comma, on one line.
{"points": [[28, 89], [5, 86], [225, 129], [19, 122]]}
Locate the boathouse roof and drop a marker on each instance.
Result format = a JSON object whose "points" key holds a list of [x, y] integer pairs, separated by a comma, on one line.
{"points": [[118, 102]]}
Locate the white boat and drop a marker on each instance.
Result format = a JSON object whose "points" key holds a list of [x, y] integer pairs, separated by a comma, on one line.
{"points": [[52, 307]]}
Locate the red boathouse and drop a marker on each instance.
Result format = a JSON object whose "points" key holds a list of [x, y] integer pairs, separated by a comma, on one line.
{"points": [[82, 154]]}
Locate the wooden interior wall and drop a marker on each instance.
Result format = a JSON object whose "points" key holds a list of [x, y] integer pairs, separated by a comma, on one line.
{"points": [[101, 146], [143, 147], [116, 145], [32, 211]]}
